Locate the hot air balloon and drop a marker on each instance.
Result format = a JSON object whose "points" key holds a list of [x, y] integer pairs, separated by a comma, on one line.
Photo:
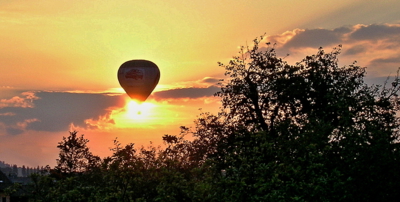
{"points": [[138, 78]]}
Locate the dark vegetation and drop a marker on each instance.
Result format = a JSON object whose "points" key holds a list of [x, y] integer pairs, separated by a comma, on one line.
{"points": [[312, 131]]}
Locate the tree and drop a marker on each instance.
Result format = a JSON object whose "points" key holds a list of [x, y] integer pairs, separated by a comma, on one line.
{"points": [[73, 178], [74, 156], [311, 131]]}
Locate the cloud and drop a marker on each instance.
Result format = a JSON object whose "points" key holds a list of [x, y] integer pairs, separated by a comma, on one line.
{"points": [[205, 87], [386, 62], [54, 111], [316, 38], [376, 32], [376, 46], [357, 49], [24, 101], [191, 93], [14, 131], [204, 82], [59, 111], [7, 114], [210, 80]]}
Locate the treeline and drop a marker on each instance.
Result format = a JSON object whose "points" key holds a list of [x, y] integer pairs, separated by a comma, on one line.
{"points": [[17, 171], [312, 131]]}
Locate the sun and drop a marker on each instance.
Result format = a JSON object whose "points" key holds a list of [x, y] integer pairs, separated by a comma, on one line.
{"points": [[138, 111], [147, 114], [135, 114]]}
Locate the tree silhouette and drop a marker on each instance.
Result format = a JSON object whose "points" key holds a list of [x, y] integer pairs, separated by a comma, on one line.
{"points": [[74, 156], [311, 131]]}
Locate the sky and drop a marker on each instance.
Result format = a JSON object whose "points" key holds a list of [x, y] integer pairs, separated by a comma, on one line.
{"points": [[59, 61]]}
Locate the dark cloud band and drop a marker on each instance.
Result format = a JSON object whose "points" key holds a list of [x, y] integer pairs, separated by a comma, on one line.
{"points": [[186, 93], [55, 111]]}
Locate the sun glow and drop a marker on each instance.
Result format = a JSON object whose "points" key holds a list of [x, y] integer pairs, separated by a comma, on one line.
{"points": [[138, 111], [149, 114]]}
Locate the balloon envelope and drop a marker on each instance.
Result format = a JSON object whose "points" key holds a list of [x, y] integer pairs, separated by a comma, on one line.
{"points": [[138, 78]]}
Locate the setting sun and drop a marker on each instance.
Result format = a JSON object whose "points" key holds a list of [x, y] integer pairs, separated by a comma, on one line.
{"points": [[135, 110], [139, 114]]}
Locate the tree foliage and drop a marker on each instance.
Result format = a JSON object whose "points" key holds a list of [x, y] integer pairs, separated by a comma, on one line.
{"points": [[74, 156], [312, 131]]}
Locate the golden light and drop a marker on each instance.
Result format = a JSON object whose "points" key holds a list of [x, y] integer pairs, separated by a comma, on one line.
{"points": [[138, 111], [149, 114]]}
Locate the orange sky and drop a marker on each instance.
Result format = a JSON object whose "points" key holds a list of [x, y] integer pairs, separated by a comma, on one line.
{"points": [[49, 48]]}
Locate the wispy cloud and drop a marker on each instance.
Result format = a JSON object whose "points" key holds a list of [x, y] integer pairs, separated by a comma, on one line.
{"points": [[25, 100]]}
